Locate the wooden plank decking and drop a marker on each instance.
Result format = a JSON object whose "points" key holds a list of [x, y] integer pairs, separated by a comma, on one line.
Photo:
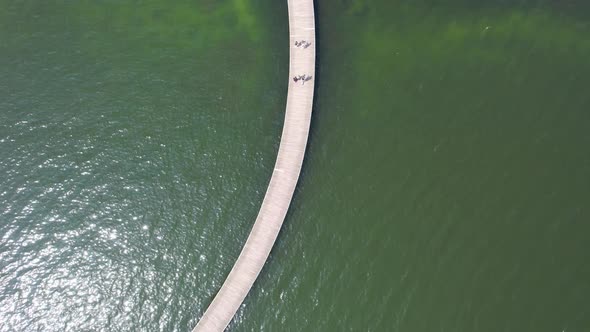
{"points": [[284, 177]]}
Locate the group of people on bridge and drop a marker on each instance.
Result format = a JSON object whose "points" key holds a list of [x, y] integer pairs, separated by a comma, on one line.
{"points": [[302, 43], [302, 78]]}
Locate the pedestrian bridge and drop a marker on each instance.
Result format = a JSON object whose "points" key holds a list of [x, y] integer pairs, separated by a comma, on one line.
{"points": [[284, 176]]}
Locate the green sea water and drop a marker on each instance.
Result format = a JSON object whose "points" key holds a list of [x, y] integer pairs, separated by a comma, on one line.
{"points": [[446, 185]]}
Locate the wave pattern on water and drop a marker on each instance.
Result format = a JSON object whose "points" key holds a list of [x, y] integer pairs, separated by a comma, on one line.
{"points": [[129, 175]]}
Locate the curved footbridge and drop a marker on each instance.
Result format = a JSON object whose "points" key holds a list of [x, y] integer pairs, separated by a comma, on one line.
{"points": [[284, 177]]}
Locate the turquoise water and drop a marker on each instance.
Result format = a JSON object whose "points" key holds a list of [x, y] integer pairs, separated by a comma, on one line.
{"points": [[445, 188]]}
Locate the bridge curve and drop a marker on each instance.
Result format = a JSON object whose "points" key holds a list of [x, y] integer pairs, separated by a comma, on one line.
{"points": [[284, 176]]}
